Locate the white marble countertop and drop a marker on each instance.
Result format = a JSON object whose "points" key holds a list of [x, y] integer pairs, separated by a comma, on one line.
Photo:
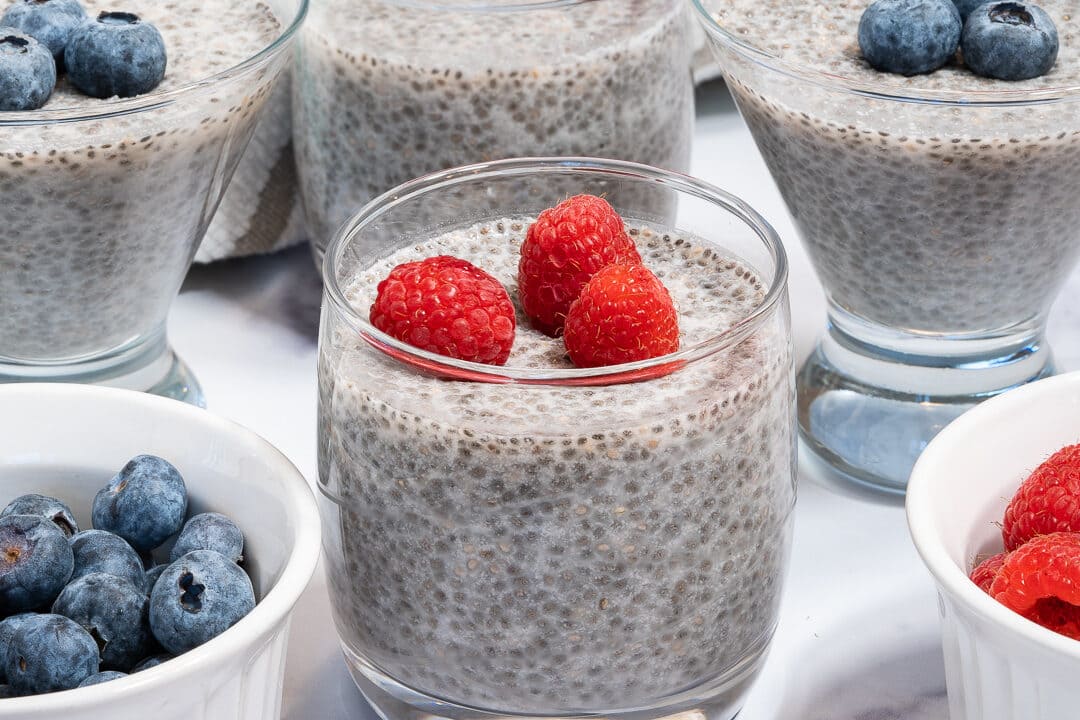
{"points": [[858, 635]]}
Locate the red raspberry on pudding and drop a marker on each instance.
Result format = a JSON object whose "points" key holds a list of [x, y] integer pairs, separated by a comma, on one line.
{"points": [[447, 306], [624, 314], [563, 248]]}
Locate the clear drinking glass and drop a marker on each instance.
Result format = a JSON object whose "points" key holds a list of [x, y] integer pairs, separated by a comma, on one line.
{"points": [[942, 224], [103, 209], [388, 90], [539, 540]]}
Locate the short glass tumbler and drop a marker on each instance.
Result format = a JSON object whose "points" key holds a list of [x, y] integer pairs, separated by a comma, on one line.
{"points": [[103, 210], [942, 225], [389, 90], [539, 540]]}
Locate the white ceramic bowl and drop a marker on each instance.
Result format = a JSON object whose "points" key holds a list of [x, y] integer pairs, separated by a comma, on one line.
{"points": [[69, 440], [999, 666]]}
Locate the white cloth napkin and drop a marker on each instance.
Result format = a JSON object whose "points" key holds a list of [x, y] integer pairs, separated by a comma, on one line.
{"points": [[261, 210]]}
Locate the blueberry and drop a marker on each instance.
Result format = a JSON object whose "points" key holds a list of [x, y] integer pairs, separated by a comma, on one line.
{"points": [[50, 22], [117, 54], [1009, 41], [909, 36], [152, 661], [210, 531], [98, 551], [50, 652], [114, 612], [47, 507], [966, 6], [152, 576], [6, 691], [104, 676], [197, 598], [144, 504], [7, 630], [35, 562], [27, 71]]}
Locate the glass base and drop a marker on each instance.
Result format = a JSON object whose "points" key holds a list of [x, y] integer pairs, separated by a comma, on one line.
{"points": [[179, 383], [869, 411], [720, 699], [148, 365]]}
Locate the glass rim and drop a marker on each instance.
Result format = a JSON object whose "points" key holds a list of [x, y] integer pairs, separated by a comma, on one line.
{"points": [[832, 81], [626, 372], [154, 101]]}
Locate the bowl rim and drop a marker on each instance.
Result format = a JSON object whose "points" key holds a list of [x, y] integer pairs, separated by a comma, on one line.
{"points": [[276, 604], [919, 506]]}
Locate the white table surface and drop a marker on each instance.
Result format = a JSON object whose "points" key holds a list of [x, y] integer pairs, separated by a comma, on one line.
{"points": [[858, 634]]}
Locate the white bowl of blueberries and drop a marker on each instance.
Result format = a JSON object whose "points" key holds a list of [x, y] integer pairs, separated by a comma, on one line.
{"points": [[150, 557]]}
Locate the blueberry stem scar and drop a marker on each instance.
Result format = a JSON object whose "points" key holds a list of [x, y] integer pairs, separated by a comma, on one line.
{"points": [[118, 18], [191, 598], [1011, 13], [13, 44]]}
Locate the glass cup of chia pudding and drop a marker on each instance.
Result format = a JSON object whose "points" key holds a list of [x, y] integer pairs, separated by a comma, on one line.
{"points": [[940, 212], [535, 539], [389, 90], [104, 202]]}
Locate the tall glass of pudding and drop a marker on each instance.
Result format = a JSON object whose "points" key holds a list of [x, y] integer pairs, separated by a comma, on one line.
{"points": [[104, 202], [538, 540], [940, 212], [388, 90]]}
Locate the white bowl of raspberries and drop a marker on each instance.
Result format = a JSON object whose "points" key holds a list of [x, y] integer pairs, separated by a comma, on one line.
{"points": [[150, 557], [993, 505]]}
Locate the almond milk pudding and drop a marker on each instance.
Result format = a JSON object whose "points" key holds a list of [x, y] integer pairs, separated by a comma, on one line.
{"points": [[547, 549], [924, 217], [389, 90], [103, 211]]}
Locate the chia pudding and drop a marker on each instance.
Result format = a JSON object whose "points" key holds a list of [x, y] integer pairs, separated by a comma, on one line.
{"points": [[555, 549], [927, 217], [388, 91], [102, 214]]}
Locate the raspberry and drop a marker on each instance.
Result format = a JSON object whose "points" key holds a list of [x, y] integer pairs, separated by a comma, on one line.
{"points": [[985, 572], [1047, 502], [563, 249], [1045, 567], [624, 314], [1057, 615], [447, 306]]}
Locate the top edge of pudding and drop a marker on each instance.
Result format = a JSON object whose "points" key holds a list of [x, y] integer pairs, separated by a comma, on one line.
{"points": [[819, 43], [702, 274], [526, 37], [198, 53]]}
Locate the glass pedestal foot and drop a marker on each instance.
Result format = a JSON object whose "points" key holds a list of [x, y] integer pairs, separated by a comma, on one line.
{"points": [[149, 365], [869, 413]]}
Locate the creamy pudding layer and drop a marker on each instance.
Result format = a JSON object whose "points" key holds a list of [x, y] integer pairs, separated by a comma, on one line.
{"points": [[930, 218], [541, 548], [101, 216], [388, 92]]}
